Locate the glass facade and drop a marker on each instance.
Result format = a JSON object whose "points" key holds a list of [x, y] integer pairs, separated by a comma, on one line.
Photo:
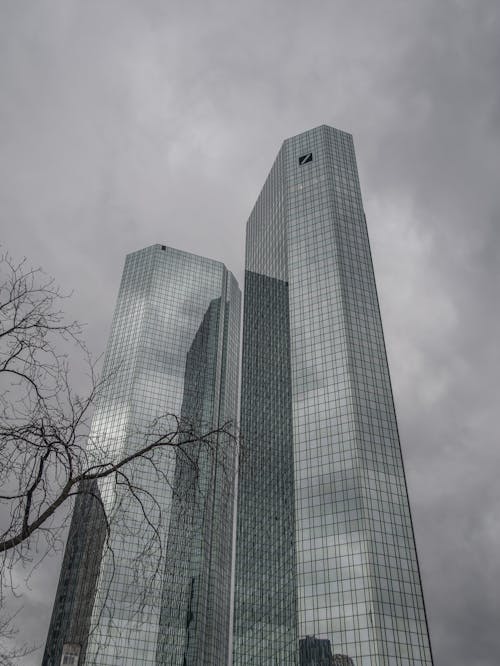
{"points": [[158, 592], [325, 557]]}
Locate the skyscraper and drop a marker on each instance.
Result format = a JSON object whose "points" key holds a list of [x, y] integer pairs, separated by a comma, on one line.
{"points": [[136, 597], [325, 545]]}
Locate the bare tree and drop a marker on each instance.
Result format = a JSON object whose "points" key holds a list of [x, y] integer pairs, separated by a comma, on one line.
{"points": [[45, 456]]}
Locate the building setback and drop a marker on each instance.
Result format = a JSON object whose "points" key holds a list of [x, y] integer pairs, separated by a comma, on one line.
{"points": [[135, 598], [325, 550]]}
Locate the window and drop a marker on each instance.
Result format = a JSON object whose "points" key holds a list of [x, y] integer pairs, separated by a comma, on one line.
{"points": [[70, 654]]}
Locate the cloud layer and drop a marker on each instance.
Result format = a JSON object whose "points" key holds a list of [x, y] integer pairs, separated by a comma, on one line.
{"points": [[128, 123]]}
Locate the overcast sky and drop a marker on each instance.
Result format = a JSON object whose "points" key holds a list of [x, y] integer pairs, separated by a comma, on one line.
{"points": [[130, 122]]}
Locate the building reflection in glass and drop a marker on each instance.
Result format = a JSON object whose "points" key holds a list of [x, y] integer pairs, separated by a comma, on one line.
{"points": [[198, 555], [318, 652]]}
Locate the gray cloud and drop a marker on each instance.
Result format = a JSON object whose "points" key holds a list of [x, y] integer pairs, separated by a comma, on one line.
{"points": [[128, 123]]}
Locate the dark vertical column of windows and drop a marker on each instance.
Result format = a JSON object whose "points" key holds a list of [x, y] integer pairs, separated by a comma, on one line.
{"points": [[218, 606], [70, 620], [265, 608], [198, 555], [186, 572]]}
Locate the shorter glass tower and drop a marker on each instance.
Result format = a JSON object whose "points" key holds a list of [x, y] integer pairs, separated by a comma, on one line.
{"points": [[156, 591]]}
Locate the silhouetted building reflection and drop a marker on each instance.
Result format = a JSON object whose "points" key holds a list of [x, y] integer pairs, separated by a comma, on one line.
{"points": [[198, 556], [315, 651], [342, 660], [318, 652]]}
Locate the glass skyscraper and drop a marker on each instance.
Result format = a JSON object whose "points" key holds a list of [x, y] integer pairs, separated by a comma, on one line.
{"points": [[326, 565], [156, 590]]}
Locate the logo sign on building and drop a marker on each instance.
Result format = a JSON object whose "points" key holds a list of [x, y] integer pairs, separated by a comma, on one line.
{"points": [[304, 159]]}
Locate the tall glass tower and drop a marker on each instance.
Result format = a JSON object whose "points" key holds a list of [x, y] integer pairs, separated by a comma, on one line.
{"points": [[326, 565], [157, 590]]}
